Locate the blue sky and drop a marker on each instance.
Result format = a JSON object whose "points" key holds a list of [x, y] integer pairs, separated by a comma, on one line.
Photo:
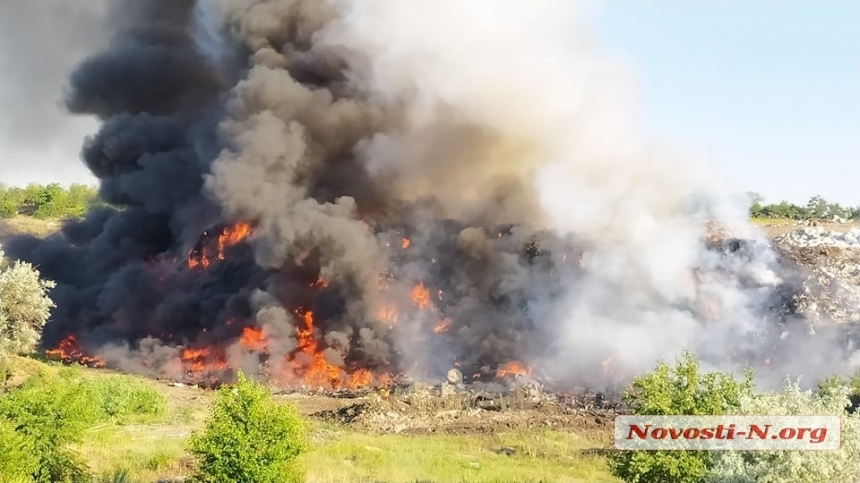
{"points": [[769, 89]]}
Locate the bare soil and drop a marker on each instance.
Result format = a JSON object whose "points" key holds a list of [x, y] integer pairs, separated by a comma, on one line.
{"points": [[427, 411]]}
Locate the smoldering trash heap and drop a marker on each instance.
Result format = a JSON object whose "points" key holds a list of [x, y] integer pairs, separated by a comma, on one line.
{"points": [[333, 193]]}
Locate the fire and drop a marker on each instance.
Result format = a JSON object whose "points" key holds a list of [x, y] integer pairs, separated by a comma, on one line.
{"points": [[513, 368], [204, 360], [318, 372], [361, 378], [69, 352], [421, 296], [387, 315], [320, 283], [442, 326], [405, 243], [230, 236], [253, 339]]}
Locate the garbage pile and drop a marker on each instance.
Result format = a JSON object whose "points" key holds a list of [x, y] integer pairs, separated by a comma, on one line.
{"points": [[819, 237], [828, 265], [454, 407]]}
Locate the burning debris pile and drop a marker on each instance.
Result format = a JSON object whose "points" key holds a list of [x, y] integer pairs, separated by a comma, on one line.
{"points": [[295, 198], [828, 264]]}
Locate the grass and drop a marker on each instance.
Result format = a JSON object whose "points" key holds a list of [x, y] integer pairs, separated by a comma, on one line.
{"points": [[771, 221], [27, 225], [147, 453], [345, 456]]}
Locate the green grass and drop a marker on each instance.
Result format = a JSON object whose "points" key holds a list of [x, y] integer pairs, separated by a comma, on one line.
{"points": [[344, 456], [771, 221]]}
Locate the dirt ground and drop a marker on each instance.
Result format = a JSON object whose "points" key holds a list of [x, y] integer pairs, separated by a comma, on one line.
{"points": [[424, 410], [776, 228], [26, 225]]}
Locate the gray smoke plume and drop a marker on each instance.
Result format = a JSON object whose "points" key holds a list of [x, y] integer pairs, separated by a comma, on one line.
{"points": [[422, 185]]}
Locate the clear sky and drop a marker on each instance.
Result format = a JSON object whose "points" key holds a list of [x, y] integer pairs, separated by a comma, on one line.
{"points": [[769, 89]]}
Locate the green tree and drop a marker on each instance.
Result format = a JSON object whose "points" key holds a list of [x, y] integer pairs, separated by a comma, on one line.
{"points": [[678, 390], [756, 201], [24, 308], [249, 438]]}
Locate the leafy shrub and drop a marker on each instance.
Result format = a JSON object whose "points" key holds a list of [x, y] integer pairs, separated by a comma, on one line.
{"points": [[678, 390], [120, 397], [795, 466], [17, 461], [49, 412], [24, 308], [249, 438]]}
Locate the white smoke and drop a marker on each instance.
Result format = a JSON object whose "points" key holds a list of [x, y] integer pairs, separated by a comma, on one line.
{"points": [[532, 74]]}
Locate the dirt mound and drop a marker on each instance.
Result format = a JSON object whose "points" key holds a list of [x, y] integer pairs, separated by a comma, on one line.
{"points": [[446, 409]]}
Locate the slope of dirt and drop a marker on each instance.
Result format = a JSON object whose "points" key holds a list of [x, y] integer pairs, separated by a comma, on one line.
{"points": [[447, 410]]}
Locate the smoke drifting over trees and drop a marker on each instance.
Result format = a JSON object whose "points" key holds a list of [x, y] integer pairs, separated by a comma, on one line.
{"points": [[326, 187]]}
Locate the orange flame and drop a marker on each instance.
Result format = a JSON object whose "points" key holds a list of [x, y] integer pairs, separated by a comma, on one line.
{"points": [[421, 296], [318, 372], [204, 360], [442, 326], [405, 243], [69, 352], [230, 236], [254, 339], [512, 368], [361, 378], [320, 283]]}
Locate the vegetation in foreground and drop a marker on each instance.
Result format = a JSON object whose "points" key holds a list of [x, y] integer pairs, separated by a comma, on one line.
{"points": [[685, 390]]}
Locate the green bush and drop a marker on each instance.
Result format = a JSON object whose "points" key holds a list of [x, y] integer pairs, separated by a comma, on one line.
{"points": [[678, 390], [51, 411], [249, 438], [795, 466], [120, 398], [17, 458]]}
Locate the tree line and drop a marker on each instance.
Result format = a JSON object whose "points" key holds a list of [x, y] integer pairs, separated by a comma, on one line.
{"points": [[47, 201], [816, 208], [56, 201]]}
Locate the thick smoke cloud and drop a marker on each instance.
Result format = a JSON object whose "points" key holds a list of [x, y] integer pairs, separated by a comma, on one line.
{"points": [[421, 185]]}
